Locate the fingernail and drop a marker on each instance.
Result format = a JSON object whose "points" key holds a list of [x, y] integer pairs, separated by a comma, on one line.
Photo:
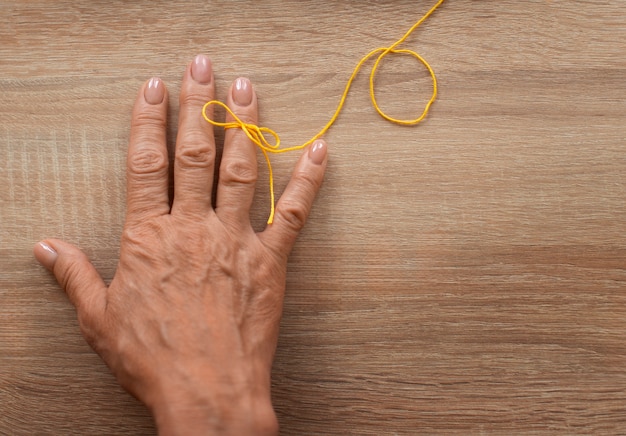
{"points": [[155, 91], [46, 255], [242, 92], [317, 152], [201, 69]]}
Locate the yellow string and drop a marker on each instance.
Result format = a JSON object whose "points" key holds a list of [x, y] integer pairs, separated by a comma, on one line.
{"points": [[257, 134]]}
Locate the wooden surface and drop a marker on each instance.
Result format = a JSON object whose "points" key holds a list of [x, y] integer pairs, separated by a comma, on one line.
{"points": [[464, 276]]}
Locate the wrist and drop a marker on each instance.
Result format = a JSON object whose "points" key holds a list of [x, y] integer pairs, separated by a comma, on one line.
{"points": [[214, 410], [195, 420]]}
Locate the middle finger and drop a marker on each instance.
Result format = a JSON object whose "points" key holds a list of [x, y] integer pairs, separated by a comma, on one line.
{"points": [[195, 144]]}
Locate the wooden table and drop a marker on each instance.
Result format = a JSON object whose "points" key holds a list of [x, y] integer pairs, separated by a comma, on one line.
{"points": [[467, 275]]}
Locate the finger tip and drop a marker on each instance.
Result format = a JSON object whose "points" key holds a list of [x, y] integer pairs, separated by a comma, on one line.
{"points": [[318, 151], [154, 91], [242, 92], [45, 254], [201, 70]]}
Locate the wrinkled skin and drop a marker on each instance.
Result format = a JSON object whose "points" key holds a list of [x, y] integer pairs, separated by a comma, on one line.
{"points": [[189, 324]]}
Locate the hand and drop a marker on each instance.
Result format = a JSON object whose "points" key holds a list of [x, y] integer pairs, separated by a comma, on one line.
{"points": [[189, 323]]}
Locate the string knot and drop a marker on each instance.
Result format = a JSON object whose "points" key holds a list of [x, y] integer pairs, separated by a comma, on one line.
{"points": [[258, 134]]}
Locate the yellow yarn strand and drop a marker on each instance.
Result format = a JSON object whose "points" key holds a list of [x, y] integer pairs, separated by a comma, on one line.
{"points": [[258, 134]]}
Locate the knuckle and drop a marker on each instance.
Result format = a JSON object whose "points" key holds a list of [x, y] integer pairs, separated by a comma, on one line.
{"points": [[293, 214], [307, 182], [247, 115], [88, 328], [131, 235], [147, 161], [201, 156], [189, 98], [238, 173], [71, 275], [136, 235], [149, 118]]}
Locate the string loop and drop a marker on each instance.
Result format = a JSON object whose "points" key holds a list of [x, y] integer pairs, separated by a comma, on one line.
{"points": [[258, 135]]}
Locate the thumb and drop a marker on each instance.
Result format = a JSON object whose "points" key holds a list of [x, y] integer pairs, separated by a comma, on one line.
{"points": [[75, 273]]}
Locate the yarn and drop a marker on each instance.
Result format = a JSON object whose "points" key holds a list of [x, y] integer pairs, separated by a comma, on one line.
{"points": [[258, 134]]}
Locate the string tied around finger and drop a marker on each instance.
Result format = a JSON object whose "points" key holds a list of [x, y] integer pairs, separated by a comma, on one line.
{"points": [[258, 135]]}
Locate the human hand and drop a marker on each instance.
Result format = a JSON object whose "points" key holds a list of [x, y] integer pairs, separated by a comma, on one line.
{"points": [[189, 323]]}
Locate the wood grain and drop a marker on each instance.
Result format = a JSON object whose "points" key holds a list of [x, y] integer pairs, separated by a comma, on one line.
{"points": [[466, 276]]}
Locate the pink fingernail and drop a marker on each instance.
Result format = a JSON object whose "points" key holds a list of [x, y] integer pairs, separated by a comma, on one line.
{"points": [[46, 255], [201, 69], [242, 92], [317, 152], [155, 91]]}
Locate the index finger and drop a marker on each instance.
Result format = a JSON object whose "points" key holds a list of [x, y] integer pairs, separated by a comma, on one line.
{"points": [[147, 162]]}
